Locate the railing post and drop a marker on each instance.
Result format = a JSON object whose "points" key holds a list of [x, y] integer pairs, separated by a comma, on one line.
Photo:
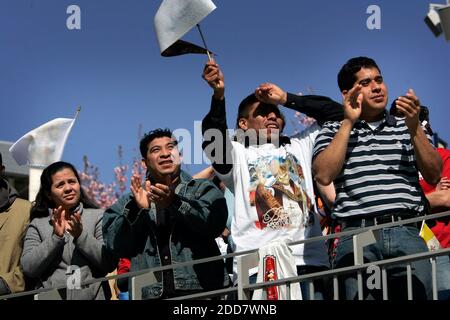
{"points": [[140, 281], [360, 241], [311, 290], [335, 288], [244, 264], [434, 278], [409, 280], [384, 283]]}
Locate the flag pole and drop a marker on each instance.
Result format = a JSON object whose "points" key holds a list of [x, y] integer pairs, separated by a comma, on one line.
{"points": [[204, 42], [78, 112]]}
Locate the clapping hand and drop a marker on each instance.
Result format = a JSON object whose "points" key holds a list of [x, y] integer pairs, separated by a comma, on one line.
{"points": [[59, 221], [163, 194], [353, 103], [409, 106], [141, 194], [74, 225]]}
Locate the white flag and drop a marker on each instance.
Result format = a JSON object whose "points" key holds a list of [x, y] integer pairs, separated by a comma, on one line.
{"points": [[277, 262], [175, 18], [43, 145]]}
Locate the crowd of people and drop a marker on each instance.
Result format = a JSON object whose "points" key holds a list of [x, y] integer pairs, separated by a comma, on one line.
{"points": [[361, 163]]}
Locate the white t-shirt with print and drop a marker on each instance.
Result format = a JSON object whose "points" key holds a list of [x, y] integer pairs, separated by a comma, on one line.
{"points": [[274, 197]]}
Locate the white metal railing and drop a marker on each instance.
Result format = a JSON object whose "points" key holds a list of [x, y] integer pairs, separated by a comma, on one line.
{"points": [[248, 259]]}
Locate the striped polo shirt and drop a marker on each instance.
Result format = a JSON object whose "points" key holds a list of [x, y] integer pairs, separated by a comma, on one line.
{"points": [[380, 174]]}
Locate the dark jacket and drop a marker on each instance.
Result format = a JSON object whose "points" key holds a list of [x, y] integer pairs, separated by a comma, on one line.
{"points": [[199, 215]]}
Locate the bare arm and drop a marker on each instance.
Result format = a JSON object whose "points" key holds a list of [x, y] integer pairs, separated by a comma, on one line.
{"points": [[439, 199], [327, 193], [428, 160], [207, 173]]}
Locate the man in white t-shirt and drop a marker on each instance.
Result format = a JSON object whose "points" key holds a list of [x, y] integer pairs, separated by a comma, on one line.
{"points": [[269, 174]]}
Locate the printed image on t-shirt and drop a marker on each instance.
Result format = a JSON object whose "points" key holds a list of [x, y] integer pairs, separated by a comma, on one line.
{"points": [[277, 190]]}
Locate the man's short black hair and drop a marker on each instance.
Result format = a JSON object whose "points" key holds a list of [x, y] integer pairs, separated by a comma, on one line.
{"points": [[150, 136], [1, 159], [244, 108], [347, 74]]}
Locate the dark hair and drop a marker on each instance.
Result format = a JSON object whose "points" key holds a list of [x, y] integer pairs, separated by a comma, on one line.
{"points": [[244, 108], [424, 114], [1, 159], [43, 201], [347, 74], [424, 118], [150, 136]]}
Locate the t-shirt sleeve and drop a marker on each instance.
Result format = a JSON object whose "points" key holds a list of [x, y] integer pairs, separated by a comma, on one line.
{"points": [[324, 137], [228, 178], [445, 155], [309, 137]]}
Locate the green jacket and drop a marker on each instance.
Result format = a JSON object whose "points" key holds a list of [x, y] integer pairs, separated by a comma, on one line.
{"points": [[199, 215]]}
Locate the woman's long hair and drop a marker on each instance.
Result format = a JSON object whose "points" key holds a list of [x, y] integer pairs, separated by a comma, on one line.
{"points": [[43, 201]]}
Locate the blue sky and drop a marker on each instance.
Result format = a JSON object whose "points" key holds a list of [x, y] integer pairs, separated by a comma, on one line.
{"points": [[113, 69]]}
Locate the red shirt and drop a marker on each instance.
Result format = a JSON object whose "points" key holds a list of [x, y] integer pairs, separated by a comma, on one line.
{"points": [[445, 155], [442, 227], [124, 266]]}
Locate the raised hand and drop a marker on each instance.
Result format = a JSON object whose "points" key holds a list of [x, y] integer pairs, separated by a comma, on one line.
{"points": [[271, 93], [74, 225], [353, 103], [214, 77], [59, 221], [141, 194], [409, 106]]}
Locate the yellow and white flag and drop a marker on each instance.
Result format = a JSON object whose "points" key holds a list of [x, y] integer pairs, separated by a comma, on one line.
{"points": [[427, 234]]}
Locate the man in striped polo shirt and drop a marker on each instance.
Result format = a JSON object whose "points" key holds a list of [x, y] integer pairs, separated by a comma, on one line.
{"points": [[373, 159]]}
